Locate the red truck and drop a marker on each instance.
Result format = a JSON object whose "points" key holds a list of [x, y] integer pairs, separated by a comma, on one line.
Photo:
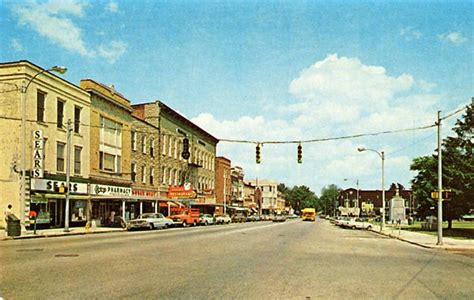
{"points": [[184, 216]]}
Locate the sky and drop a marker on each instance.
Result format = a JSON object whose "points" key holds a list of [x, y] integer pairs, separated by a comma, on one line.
{"points": [[272, 71]]}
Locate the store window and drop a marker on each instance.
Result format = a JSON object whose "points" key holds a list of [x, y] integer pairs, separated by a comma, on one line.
{"points": [[40, 99], [134, 172], [134, 140], [78, 210], [110, 147], [144, 144], [60, 156], [77, 160], [77, 118], [60, 114], [152, 147], [152, 175]]}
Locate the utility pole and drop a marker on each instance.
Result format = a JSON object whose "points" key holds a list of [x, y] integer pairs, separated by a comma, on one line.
{"points": [[440, 185], [68, 171]]}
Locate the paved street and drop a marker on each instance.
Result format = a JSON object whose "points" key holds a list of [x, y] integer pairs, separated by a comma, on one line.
{"points": [[290, 260]]}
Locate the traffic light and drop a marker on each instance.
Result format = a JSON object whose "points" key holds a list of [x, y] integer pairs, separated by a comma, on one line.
{"points": [[185, 154], [258, 154], [300, 154]]}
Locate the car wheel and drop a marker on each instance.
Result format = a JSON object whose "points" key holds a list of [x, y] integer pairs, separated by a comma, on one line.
{"points": [[166, 226], [194, 223], [353, 227], [185, 224], [151, 226], [369, 227], [205, 223]]}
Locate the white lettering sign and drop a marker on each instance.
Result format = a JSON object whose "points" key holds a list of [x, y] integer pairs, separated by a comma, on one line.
{"points": [[38, 154], [49, 185], [110, 190]]}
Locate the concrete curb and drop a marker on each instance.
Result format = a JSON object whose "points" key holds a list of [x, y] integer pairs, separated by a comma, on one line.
{"points": [[57, 234], [443, 247]]}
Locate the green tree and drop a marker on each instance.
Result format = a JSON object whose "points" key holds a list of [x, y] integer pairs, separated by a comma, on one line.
{"points": [[458, 172], [300, 197], [329, 195]]}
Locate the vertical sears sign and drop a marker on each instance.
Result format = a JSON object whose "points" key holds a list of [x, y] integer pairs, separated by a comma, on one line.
{"points": [[38, 154]]}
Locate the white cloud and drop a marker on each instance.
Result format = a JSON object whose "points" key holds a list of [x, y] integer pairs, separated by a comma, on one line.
{"points": [[453, 37], [113, 51], [335, 97], [16, 45], [409, 33], [55, 20], [112, 7]]}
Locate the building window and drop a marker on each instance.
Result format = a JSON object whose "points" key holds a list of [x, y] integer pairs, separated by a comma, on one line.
{"points": [[176, 149], [60, 114], [164, 145], [134, 172], [170, 177], [152, 175], [60, 157], [40, 98], [134, 140], [109, 162], [77, 160], [110, 147], [77, 118], [144, 144], [143, 174], [152, 147], [170, 147], [163, 175]]}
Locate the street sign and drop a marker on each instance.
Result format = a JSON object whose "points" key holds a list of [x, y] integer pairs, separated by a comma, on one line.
{"points": [[445, 195]]}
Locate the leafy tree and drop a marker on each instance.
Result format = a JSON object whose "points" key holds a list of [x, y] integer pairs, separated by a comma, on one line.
{"points": [[328, 195], [300, 197], [458, 172]]}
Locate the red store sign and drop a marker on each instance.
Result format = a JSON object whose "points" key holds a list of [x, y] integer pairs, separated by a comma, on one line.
{"points": [[144, 193]]}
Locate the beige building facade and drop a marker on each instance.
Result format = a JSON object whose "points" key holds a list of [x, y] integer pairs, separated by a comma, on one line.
{"points": [[49, 105]]}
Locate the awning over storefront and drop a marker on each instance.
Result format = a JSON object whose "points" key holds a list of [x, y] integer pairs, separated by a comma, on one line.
{"points": [[43, 198]]}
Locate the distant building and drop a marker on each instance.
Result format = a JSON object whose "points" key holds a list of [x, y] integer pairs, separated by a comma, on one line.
{"points": [[269, 194], [370, 202], [223, 186]]}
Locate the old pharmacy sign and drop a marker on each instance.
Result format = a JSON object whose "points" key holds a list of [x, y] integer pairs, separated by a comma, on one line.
{"points": [[110, 190]]}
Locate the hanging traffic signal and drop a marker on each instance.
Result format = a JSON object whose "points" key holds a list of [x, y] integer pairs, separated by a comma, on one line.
{"points": [[185, 154], [300, 154], [258, 154]]}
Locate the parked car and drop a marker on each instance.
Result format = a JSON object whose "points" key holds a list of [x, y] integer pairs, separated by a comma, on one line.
{"points": [[223, 219], [342, 221], [358, 223], [150, 221], [238, 217], [279, 218], [250, 218], [292, 216], [206, 219]]}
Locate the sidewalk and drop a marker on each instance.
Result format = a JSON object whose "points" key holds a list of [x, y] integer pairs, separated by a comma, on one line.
{"points": [[41, 233], [426, 240]]}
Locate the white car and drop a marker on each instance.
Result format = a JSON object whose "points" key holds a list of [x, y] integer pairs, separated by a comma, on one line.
{"points": [[205, 219], [150, 221], [223, 219], [358, 223]]}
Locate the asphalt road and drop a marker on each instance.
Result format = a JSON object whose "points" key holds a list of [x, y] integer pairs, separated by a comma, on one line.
{"points": [[264, 260]]}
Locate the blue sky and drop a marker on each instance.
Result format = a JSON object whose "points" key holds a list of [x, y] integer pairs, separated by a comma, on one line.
{"points": [[271, 70]]}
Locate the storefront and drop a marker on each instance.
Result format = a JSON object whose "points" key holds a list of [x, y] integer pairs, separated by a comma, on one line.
{"points": [[110, 203], [48, 200]]}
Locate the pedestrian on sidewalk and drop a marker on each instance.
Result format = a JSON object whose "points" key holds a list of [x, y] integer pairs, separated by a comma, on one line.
{"points": [[7, 215]]}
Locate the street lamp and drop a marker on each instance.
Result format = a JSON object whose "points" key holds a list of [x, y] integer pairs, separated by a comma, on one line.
{"points": [[382, 156], [23, 91]]}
